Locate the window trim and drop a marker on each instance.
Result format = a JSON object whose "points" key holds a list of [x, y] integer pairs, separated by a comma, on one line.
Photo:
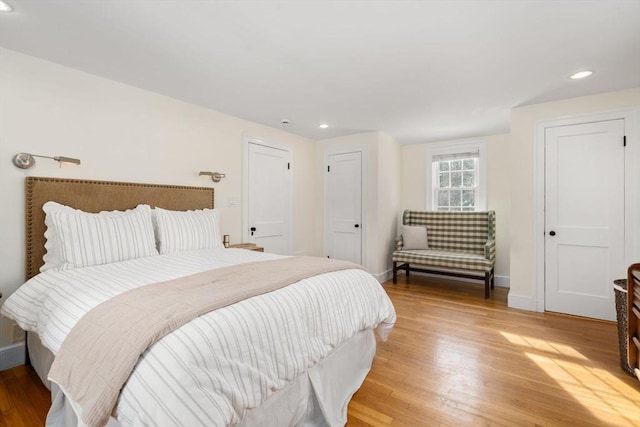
{"points": [[453, 147]]}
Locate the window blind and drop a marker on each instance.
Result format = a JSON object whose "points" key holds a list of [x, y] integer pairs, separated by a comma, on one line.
{"points": [[455, 156]]}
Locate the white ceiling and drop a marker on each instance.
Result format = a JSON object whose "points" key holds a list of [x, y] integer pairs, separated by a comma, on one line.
{"points": [[419, 70]]}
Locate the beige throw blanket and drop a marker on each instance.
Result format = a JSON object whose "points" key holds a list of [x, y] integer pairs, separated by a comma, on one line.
{"points": [[100, 352]]}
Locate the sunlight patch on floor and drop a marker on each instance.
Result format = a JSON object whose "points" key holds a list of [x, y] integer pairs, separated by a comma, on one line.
{"points": [[543, 345], [592, 387]]}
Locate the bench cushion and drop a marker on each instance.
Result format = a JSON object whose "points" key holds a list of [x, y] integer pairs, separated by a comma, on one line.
{"points": [[445, 259]]}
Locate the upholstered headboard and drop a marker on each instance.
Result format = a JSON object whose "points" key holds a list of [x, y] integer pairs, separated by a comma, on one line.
{"points": [[96, 196]]}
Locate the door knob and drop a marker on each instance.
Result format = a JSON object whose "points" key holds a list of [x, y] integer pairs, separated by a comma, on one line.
{"points": [[552, 233], [252, 230], [357, 225]]}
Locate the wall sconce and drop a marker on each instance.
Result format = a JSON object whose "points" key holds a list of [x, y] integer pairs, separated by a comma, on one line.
{"points": [[215, 176], [26, 160]]}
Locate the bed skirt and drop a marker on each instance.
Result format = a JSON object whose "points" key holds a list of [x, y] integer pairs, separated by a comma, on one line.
{"points": [[40, 358], [319, 397]]}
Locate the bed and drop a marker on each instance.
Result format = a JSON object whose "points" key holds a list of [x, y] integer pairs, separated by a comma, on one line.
{"points": [[292, 356]]}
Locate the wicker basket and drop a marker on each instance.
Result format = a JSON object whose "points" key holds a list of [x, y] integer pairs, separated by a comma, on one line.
{"points": [[620, 288]]}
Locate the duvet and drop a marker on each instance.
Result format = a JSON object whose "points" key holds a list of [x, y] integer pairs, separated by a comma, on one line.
{"points": [[215, 369]]}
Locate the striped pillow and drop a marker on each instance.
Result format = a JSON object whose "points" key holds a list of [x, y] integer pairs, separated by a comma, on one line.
{"points": [[179, 231], [80, 239]]}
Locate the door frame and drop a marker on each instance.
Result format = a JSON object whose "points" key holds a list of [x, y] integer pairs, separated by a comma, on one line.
{"points": [[246, 140], [363, 199], [631, 117]]}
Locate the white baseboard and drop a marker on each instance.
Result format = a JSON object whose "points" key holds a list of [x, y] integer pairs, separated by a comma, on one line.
{"points": [[522, 302], [503, 281], [12, 355], [500, 281], [384, 276], [300, 253]]}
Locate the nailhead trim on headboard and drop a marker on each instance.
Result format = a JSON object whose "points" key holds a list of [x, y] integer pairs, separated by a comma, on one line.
{"points": [[96, 196]]}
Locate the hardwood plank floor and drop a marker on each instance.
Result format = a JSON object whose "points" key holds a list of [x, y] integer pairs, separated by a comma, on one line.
{"points": [[24, 401], [456, 359]]}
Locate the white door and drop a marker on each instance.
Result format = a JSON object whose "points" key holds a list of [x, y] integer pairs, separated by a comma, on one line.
{"points": [[344, 206], [269, 201], [584, 217]]}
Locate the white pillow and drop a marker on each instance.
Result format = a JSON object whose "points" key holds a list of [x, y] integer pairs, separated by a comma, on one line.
{"points": [[80, 239], [53, 256], [178, 231], [414, 237]]}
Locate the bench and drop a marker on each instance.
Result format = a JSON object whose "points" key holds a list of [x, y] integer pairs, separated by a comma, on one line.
{"points": [[460, 244]]}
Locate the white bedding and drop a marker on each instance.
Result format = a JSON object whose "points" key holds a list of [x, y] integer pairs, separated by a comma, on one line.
{"points": [[214, 369]]}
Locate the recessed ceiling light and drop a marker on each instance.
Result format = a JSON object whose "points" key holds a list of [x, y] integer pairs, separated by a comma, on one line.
{"points": [[581, 75], [5, 7], [285, 121], [323, 125]]}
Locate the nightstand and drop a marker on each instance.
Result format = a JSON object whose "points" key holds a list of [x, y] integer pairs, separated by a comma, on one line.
{"points": [[249, 246]]}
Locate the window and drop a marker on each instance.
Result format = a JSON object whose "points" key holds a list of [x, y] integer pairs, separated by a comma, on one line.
{"points": [[456, 177], [456, 186]]}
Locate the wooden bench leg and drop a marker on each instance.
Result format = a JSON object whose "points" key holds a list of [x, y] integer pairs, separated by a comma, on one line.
{"points": [[395, 272], [487, 284], [406, 269]]}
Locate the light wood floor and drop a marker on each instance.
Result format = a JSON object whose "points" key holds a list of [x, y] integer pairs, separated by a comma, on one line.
{"points": [[456, 359]]}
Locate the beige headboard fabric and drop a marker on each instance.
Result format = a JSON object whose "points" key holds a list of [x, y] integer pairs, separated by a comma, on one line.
{"points": [[96, 196]]}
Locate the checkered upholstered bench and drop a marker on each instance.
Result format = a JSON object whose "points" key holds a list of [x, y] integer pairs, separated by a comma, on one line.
{"points": [[460, 244]]}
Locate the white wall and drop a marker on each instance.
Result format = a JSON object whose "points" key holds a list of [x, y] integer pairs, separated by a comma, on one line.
{"points": [[389, 191], [499, 200], [414, 190], [381, 166], [122, 133], [523, 121]]}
